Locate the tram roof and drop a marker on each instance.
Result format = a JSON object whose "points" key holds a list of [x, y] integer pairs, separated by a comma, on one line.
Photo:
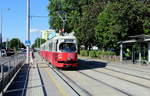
{"points": [[64, 37]]}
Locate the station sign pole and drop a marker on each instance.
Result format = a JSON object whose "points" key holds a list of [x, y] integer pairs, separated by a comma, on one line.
{"points": [[28, 30]]}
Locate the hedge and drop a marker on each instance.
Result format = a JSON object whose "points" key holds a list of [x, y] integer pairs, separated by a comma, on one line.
{"points": [[96, 53]]}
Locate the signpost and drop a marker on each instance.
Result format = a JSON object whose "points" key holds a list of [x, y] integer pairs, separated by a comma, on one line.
{"points": [[28, 30], [27, 42]]}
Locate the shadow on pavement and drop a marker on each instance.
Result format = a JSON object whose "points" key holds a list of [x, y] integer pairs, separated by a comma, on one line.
{"points": [[19, 83], [86, 65], [5, 68]]}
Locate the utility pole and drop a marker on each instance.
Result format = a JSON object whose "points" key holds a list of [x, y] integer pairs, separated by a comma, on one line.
{"points": [[1, 33], [28, 30]]}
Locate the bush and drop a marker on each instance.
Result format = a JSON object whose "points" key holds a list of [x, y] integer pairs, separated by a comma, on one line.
{"points": [[96, 53], [92, 54], [84, 53], [101, 53]]}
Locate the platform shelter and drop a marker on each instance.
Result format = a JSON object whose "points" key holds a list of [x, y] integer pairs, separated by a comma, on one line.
{"points": [[139, 48]]}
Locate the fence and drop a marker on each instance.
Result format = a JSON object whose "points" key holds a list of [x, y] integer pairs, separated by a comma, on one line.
{"points": [[9, 68]]}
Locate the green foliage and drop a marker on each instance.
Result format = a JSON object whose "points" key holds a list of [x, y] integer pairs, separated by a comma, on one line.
{"points": [[15, 43], [81, 18], [92, 54], [101, 23], [119, 20], [101, 53], [84, 53], [38, 42], [84, 29], [146, 21]]}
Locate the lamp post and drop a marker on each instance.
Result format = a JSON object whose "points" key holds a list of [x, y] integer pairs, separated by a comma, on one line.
{"points": [[1, 34], [28, 30]]}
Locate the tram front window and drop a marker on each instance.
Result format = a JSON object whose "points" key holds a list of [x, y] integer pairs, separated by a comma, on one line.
{"points": [[67, 47]]}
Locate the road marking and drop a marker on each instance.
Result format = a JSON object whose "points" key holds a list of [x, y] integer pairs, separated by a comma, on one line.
{"points": [[61, 90]]}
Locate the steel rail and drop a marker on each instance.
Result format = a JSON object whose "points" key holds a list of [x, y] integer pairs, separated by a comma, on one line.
{"points": [[106, 84], [70, 83]]}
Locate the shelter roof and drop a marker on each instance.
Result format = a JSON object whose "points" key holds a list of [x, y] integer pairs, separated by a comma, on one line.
{"points": [[137, 38], [142, 36]]}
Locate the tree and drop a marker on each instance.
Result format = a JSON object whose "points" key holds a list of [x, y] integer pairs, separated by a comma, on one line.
{"points": [[84, 30], [118, 21], [67, 9], [16, 44], [38, 42], [101, 22]]}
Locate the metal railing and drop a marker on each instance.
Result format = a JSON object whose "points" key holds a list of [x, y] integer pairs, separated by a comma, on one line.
{"points": [[9, 68]]}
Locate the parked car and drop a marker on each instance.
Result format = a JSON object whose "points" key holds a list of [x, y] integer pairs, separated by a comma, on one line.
{"points": [[3, 52], [10, 52]]}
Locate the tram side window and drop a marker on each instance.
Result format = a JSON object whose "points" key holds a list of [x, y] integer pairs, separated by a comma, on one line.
{"points": [[44, 47], [50, 46], [54, 47], [47, 47]]}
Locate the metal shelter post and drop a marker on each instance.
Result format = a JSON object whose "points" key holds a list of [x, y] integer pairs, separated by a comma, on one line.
{"points": [[121, 52], [148, 52]]}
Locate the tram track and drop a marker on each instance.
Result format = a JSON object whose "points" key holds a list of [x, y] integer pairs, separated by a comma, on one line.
{"points": [[128, 94], [121, 79], [126, 73], [62, 75], [139, 70], [73, 85], [117, 77], [123, 67], [111, 86], [67, 79], [101, 82], [108, 74]]}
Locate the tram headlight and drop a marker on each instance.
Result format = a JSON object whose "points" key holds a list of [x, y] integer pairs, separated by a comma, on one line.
{"points": [[69, 59], [60, 56]]}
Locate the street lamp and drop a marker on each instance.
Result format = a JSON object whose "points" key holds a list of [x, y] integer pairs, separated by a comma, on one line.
{"points": [[28, 30]]}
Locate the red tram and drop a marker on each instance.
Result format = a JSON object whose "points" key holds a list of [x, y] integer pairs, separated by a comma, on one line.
{"points": [[61, 51]]}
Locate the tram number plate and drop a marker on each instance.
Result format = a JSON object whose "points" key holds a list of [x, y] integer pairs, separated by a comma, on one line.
{"points": [[68, 40]]}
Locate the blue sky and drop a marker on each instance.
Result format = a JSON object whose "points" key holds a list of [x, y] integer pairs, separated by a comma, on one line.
{"points": [[14, 20]]}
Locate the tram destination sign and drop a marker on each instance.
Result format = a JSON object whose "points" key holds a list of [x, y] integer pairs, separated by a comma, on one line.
{"points": [[68, 40]]}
